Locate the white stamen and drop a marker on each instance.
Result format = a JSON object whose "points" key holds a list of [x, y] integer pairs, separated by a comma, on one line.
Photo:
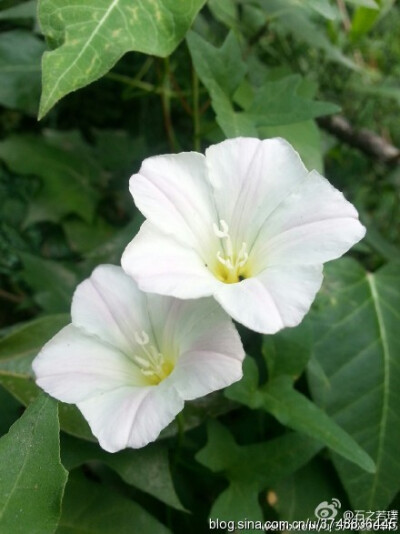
{"points": [[141, 361], [152, 361], [228, 258], [223, 231], [141, 339]]}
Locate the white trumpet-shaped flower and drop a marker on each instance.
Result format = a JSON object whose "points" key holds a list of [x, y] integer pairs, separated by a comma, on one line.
{"points": [[246, 223], [129, 360]]}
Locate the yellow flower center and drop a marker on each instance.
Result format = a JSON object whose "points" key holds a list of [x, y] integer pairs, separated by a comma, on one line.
{"points": [[152, 364], [231, 266]]}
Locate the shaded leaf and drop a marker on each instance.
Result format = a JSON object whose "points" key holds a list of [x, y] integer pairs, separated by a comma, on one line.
{"points": [[365, 3], [31, 489], [251, 468], [294, 410], [10, 410], [147, 469], [323, 7], [90, 508], [305, 138], [221, 70], [17, 351], [278, 103], [288, 351], [20, 53], [225, 11], [53, 283], [65, 175], [297, 496], [355, 374], [20, 11], [290, 18], [107, 29]]}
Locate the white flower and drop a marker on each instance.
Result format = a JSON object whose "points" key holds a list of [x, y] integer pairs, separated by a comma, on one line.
{"points": [[129, 360], [246, 223]]}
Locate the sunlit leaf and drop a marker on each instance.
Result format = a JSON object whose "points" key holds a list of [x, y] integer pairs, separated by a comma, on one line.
{"points": [[90, 36]]}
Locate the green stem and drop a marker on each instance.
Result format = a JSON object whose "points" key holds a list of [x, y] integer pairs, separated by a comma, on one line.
{"points": [[196, 111], [181, 428], [166, 107], [139, 84]]}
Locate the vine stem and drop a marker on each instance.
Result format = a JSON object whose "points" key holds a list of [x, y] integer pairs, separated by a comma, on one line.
{"points": [[166, 106], [196, 111]]}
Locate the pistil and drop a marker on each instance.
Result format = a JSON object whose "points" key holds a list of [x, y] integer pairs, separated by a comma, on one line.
{"points": [[233, 263]]}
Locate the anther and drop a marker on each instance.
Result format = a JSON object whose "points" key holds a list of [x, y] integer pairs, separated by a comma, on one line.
{"points": [[142, 362], [141, 339]]}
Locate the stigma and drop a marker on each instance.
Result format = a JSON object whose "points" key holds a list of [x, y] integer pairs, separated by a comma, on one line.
{"points": [[231, 265], [152, 363]]}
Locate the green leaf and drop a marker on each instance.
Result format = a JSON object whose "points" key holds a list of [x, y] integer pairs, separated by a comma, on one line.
{"points": [[355, 374], [364, 3], [147, 469], [225, 11], [323, 7], [65, 174], [84, 237], [111, 250], [20, 53], [304, 136], [90, 508], [52, 282], [221, 70], [17, 351], [294, 410], [10, 410], [290, 18], [18, 348], [278, 103], [107, 29], [32, 477], [21, 11], [298, 495], [251, 468], [288, 351], [366, 17]]}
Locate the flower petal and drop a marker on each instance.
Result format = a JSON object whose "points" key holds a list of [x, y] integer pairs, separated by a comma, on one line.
{"points": [[160, 264], [109, 304], [312, 225], [202, 334], [249, 179], [278, 297], [173, 193], [131, 417], [74, 366]]}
